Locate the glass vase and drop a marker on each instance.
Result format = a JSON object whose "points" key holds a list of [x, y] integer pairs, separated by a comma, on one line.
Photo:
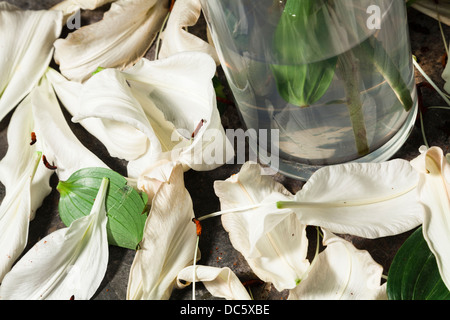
{"points": [[317, 82]]}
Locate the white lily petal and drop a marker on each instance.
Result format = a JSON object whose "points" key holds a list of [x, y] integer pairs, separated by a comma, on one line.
{"points": [[154, 176], [273, 241], [342, 272], [20, 153], [59, 143], [168, 244], [68, 262], [27, 39], [15, 211], [123, 127], [67, 91], [220, 282], [185, 13], [121, 145], [30, 192], [162, 101], [434, 193], [181, 88], [118, 41], [369, 200]]}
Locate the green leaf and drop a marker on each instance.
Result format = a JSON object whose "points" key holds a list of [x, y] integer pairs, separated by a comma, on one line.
{"points": [[414, 274], [298, 82], [125, 206]]}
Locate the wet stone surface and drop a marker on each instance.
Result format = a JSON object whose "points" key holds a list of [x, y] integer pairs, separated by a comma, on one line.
{"points": [[216, 249]]}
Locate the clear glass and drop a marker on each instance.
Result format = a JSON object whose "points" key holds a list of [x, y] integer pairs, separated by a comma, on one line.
{"points": [[333, 78]]}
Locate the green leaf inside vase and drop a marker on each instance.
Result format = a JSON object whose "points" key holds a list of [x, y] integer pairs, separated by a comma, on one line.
{"points": [[414, 274], [125, 206], [299, 82]]}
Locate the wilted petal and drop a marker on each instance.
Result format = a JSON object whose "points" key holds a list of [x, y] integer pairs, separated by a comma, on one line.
{"points": [[220, 282], [185, 13], [118, 41], [15, 212], [434, 193], [168, 244], [369, 200], [59, 143], [68, 262], [273, 241], [342, 272], [27, 39]]}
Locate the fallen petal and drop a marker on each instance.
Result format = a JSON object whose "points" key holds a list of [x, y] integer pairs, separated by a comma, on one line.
{"points": [[15, 212], [342, 272], [185, 13], [273, 241], [59, 143], [220, 282], [434, 193], [68, 262], [118, 41], [20, 153], [27, 48], [168, 244], [369, 200]]}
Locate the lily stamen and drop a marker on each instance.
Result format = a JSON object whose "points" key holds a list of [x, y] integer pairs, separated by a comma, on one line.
{"points": [[234, 210]]}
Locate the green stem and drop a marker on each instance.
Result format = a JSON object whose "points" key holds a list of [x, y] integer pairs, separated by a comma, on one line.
{"points": [[347, 65]]}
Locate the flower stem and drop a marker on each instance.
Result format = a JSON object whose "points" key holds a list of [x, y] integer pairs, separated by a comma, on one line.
{"points": [[349, 70], [234, 210]]}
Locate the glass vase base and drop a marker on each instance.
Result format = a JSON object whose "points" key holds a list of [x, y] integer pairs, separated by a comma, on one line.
{"points": [[302, 172]]}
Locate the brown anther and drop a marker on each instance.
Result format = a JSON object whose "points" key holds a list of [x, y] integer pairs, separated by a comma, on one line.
{"points": [[47, 164], [33, 138], [198, 226]]}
